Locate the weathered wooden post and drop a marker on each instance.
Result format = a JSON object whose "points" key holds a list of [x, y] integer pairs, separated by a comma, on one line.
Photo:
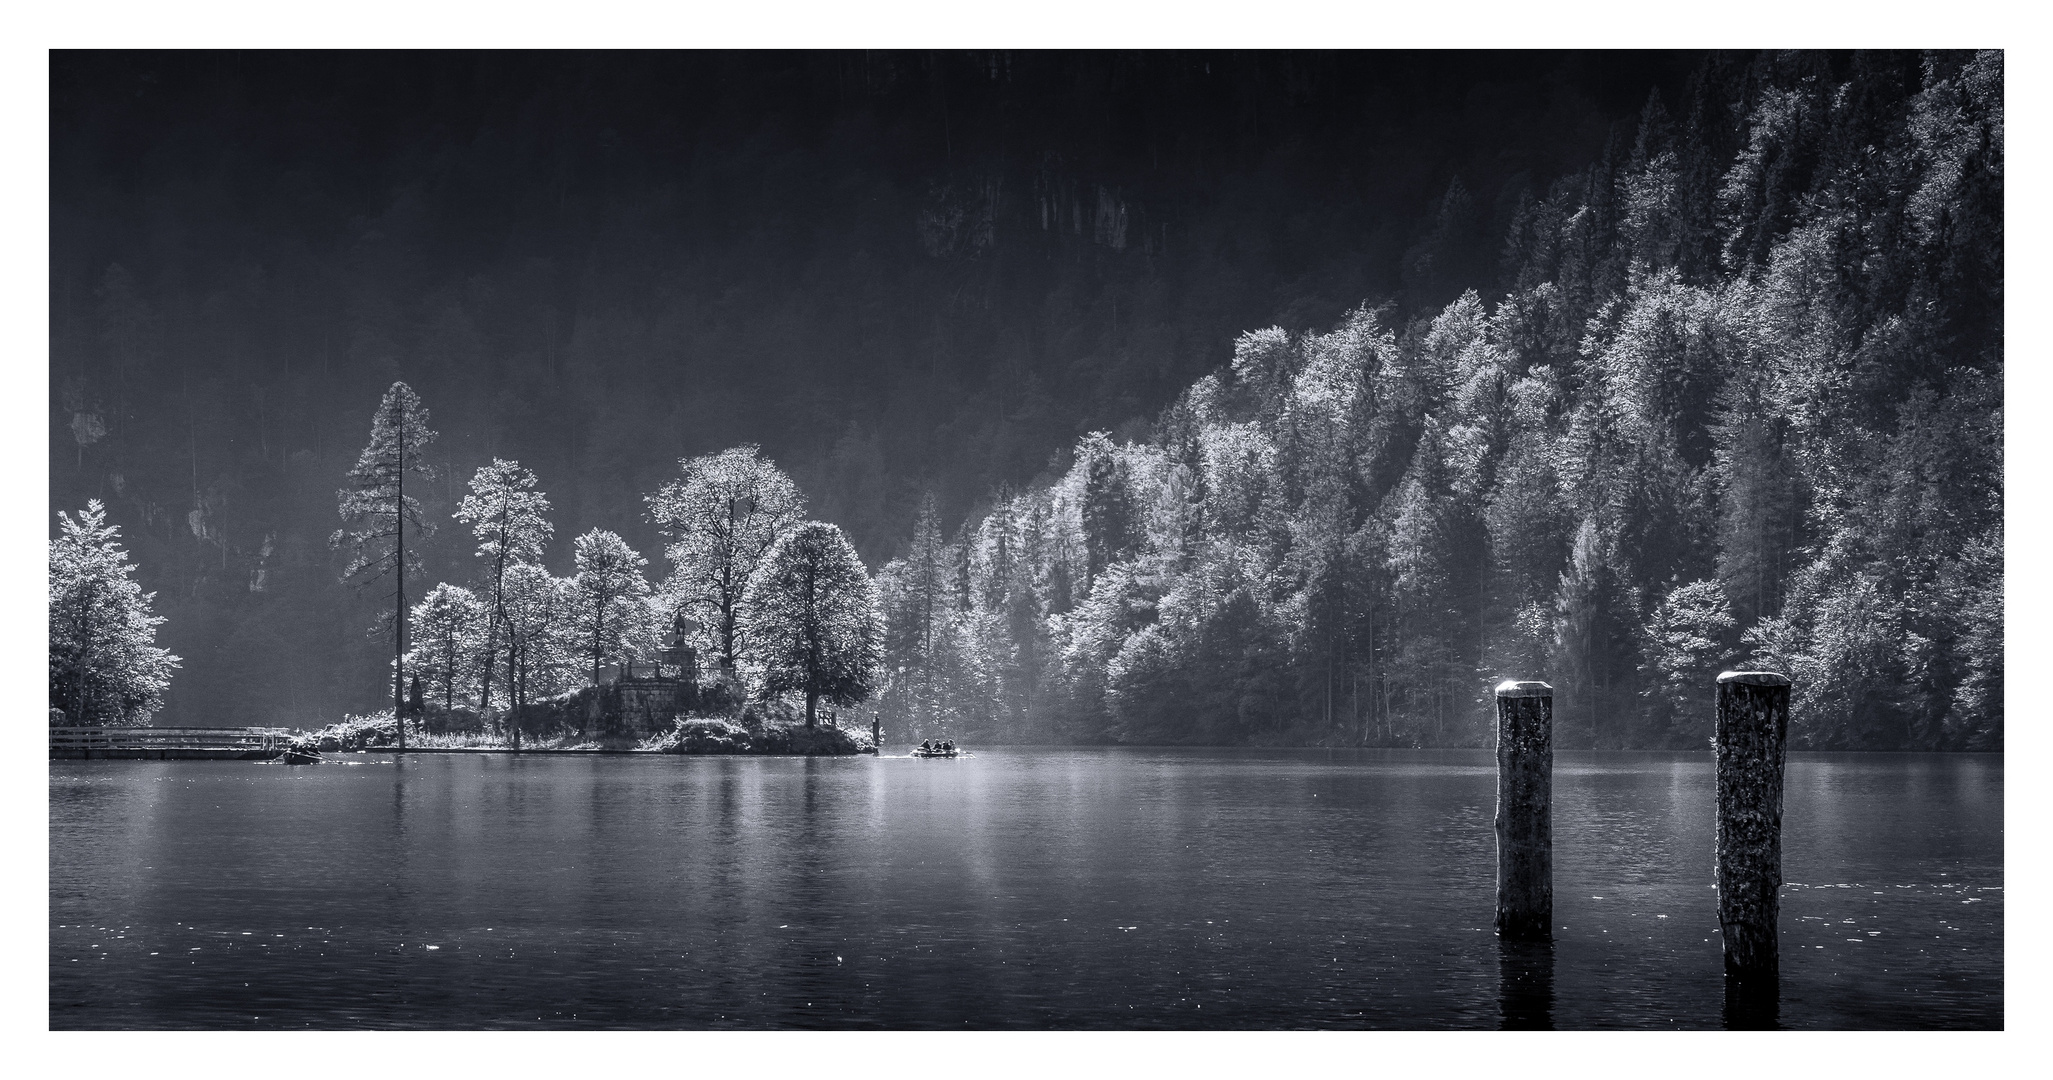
{"points": [[1525, 819], [1753, 721]]}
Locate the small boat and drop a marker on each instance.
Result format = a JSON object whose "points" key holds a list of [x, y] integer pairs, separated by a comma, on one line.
{"points": [[295, 756], [919, 751]]}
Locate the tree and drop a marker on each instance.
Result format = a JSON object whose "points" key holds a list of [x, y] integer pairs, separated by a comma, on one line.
{"points": [[722, 516], [1144, 692], [1431, 579], [505, 513], [540, 647], [377, 502], [917, 613], [1972, 592], [105, 667], [1110, 531], [810, 619], [609, 597], [1586, 631], [1689, 638], [447, 636], [1759, 506]]}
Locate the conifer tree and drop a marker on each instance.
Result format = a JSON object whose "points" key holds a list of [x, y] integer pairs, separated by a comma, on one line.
{"points": [[381, 511], [1758, 507], [105, 666], [1689, 639], [1110, 531], [919, 616]]}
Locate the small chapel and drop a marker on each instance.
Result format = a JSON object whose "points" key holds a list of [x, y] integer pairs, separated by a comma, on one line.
{"points": [[643, 697]]}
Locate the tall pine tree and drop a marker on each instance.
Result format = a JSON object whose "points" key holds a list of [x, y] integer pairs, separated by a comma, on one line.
{"points": [[380, 512]]}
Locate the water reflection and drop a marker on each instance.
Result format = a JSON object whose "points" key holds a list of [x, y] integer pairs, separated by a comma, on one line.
{"points": [[399, 804], [1020, 888], [1525, 984], [1753, 1002]]}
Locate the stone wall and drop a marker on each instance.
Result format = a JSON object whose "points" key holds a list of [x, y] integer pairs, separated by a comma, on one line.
{"points": [[640, 707]]}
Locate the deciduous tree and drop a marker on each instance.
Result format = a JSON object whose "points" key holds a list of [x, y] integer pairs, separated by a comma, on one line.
{"points": [[541, 650], [448, 634], [811, 620], [610, 612], [721, 517], [507, 515]]}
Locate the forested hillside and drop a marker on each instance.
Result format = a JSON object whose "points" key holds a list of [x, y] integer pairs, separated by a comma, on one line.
{"points": [[1733, 395]]}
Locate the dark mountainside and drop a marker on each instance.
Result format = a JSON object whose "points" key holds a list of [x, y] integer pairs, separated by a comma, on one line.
{"points": [[1736, 399], [917, 273]]}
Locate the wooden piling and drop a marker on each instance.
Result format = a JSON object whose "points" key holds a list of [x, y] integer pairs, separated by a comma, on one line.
{"points": [[1753, 723], [1525, 819]]}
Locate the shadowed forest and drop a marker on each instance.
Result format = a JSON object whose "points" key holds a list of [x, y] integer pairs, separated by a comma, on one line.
{"points": [[1170, 397], [1735, 397]]}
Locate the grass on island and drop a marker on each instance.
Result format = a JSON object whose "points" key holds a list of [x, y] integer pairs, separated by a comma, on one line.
{"points": [[776, 728]]}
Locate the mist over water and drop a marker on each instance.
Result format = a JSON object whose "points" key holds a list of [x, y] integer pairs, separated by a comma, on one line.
{"points": [[1072, 888]]}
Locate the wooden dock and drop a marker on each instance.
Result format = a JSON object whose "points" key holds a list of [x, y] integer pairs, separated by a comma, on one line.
{"points": [[168, 743]]}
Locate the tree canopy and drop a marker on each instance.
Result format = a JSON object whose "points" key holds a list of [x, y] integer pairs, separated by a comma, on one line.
{"points": [[448, 632], [811, 622], [721, 517], [610, 612], [509, 518]]}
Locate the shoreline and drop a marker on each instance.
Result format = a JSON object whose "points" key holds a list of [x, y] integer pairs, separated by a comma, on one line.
{"points": [[200, 755]]}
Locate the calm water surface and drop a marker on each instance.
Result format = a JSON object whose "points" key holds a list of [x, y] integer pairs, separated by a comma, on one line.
{"points": [[1016, 888]]}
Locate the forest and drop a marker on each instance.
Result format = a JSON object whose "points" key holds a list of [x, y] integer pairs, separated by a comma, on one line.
{"points": [[1735, 399]]}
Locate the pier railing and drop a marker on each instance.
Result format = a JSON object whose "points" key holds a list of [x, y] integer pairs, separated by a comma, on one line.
{"points": [[168, 741]]}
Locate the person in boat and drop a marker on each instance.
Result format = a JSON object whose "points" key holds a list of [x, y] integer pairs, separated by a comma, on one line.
{"points": [[926, 745], [948, 747]]}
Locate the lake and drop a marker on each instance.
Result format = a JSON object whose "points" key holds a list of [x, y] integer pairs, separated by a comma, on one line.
{"points": [[1018, 888]]}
